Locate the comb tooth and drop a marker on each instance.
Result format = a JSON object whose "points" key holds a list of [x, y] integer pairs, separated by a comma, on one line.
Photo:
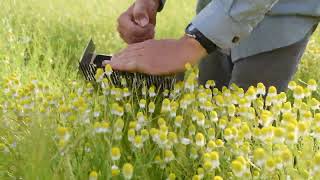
{"points": [[135, 78], [156, 79], [149, 81], [139, 80], [83, 71], [112, 78], [92, 72], [87, 72], [128, 78], [118, 78], [153, 80], [145, 79]]}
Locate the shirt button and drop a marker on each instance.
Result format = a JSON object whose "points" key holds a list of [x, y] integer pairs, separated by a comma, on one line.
{"points": [[236, 39]]}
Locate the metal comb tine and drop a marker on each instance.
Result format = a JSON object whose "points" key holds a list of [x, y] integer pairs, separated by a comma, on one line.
{"points": [[153, 80], [83, 70], [149, 81], [87, 71], [92, 71], [88, 75]]}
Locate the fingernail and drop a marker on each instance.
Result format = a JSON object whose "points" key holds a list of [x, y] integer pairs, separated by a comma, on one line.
{"points": [[105, 62], [144, 21]]}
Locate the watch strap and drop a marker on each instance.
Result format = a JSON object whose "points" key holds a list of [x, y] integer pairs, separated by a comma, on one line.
{"points": [[202, 39], [161, 5]]}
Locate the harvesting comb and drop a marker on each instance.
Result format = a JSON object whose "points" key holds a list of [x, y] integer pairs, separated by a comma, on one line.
{"points": [[91, 61]]}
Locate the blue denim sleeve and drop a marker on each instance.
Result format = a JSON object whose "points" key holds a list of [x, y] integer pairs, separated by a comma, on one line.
{"points": [[227, 22]]}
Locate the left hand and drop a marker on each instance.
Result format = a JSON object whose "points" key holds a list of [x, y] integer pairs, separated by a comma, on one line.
{"points": [[158, 57]]}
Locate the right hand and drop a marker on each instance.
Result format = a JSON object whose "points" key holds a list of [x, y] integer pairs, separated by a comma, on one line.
{"points": [[137, 24]]}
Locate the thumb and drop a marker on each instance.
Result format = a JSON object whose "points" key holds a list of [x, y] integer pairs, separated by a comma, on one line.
{"points": [[140, 14]]}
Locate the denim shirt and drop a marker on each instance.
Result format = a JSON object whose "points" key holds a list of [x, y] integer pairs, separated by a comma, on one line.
{"points": [[248, 27]]}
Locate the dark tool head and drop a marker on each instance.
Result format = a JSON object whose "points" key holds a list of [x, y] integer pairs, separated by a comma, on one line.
{"points": [[90, 62]]}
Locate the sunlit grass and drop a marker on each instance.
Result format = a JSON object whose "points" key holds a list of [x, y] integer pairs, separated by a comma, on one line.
{"points": [[55, 126]]}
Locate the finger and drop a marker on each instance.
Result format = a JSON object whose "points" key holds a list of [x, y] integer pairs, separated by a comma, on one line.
{"points": [[134, 34], [129, 65], [128, 55], [126, 23], [140, 14], [131, 50]]}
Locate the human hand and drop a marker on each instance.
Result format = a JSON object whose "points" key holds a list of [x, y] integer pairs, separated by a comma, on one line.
{"points": [[158, 57], [137, 24]]}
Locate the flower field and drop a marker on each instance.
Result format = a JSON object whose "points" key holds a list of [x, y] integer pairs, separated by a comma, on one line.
{"points": [[191, 131], [54, 125]]}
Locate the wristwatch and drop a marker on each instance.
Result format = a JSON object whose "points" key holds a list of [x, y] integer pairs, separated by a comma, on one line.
{"points": [[193, 32], [161, 5]]}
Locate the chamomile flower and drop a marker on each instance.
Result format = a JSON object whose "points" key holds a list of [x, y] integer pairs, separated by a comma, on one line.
{"points": [[178, 121], [63, 133], [131, 135], [261, 89], [312, 85], [118, 125], [214, 159], [286, 157], [201, 172], [126, 92], [213, 116], [99, 75], [127, 170], [115, 153], [108, 70], [200, 118], [168, 156], [173, 138], [222, 123], [138, 142], [93, 175], [298, 92], [272, 91], [141, 118], [171, 176], [238, 168], [270, 164], [115, 171], [217, 178], [292, 85], [211, 133], [165, 105], [279, 135], [200, 140], [142, 103], [251, 93], [210, 84], [259, 156], [151, 107], [228, 134]]}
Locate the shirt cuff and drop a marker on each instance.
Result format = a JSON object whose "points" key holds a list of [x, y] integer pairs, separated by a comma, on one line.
{"points": [[161, 5], [217, 25]]}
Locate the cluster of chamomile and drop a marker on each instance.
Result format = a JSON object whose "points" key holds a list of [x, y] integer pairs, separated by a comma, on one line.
{"points": [[190, 131]]}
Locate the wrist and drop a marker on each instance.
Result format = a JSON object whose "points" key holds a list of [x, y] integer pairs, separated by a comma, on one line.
{"points": [[192, 45], [156, 4]]}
